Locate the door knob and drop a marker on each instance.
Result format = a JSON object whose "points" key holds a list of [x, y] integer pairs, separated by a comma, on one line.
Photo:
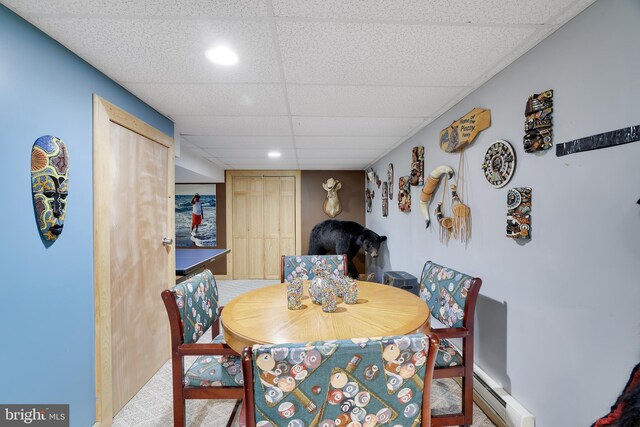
{"points": [[167, 241]]}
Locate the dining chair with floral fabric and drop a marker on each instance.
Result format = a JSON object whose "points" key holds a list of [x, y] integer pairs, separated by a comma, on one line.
{"points": [[451, 297], [192, 307], [302, 266], [367, 381]]}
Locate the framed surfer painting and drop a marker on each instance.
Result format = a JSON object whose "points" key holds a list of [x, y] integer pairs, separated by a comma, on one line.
{"points": [[196, 215]]}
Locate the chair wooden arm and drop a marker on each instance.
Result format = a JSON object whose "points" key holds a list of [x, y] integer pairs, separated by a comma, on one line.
{"points": [[451, 332], [206, 350]]}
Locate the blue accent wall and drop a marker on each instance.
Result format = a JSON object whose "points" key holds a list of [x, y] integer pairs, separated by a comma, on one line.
{"points": [[46, 300]]}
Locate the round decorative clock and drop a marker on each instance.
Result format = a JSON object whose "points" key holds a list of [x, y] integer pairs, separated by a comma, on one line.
{"points": [[499, 163]]}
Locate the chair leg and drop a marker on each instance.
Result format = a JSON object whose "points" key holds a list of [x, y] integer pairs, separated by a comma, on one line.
{"points": [[235, 413], [467, 399], [179, 412]]}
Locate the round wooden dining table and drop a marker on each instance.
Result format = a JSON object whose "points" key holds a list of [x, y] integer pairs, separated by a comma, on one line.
{"points": [[261, 316]]}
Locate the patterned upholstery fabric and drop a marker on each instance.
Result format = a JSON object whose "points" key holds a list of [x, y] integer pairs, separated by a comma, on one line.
{"points": [[197, 300], [445, 292], [302, 266], [330, 383], [213, 371], [447, 355]]}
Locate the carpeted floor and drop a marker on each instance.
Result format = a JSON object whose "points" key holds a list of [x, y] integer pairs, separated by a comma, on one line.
{"points": [[152, 406]]}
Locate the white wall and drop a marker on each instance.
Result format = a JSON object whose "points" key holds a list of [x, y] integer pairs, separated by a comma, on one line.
{"points": [[558, 322], [193, 168]]}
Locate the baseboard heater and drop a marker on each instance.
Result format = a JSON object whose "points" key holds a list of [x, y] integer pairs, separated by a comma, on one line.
{"points": [[497, 400]]}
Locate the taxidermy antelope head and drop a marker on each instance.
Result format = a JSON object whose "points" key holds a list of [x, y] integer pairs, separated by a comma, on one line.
{"points": [[331, 205]]}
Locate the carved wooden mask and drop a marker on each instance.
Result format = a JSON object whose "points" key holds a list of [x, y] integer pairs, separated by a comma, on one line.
{"points": [[50, 184]]}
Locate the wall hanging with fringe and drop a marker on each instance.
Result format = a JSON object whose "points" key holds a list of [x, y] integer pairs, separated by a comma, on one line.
{"points": [[461, 212]]}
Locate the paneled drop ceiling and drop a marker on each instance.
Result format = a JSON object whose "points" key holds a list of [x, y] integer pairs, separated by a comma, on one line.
{"points": [[331, 84]]}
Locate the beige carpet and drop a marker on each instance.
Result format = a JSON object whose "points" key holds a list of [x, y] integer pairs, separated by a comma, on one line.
{"points": [[152, 406]]}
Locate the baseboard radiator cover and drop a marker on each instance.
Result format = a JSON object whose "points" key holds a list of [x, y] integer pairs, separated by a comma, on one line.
{"points": [[502, 404]]}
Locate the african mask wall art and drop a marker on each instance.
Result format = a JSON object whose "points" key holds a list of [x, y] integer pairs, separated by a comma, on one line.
{"points": [[368, 199], [519, 213], [417, 166], [390, 179], [50, 184], [385, 199], [404, 193], [538, 122]]}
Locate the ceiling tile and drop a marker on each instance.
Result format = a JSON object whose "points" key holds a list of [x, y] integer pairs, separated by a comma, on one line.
{"points": [[390, 54], [371, 101], [353, 126], [275, 165], [331, 142], [249, 154], [209, 141], [213, 99], [164, 50], [337, 163], [155, 8], [443, 11], [242, 126], [331, 153], [331, 166], [361, 75]]}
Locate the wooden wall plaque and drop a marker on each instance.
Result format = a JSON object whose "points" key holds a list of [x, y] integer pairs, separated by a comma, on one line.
{"points": [[463, 131]]}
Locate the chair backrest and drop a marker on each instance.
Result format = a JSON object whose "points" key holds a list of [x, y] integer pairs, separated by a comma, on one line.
{"points": [[302, 266], [450, 295], [196, 300], [370, 380]]}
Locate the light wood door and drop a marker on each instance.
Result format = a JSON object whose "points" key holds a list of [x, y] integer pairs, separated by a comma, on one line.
{"points": [[279, 222], [263, 221], [139, 261], [247, 228], [134, 212]]}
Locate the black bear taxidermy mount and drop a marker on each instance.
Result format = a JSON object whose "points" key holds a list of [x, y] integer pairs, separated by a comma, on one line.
{"points": [[344, 237]]}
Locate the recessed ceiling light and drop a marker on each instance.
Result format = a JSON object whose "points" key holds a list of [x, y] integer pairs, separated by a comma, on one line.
{"points": [[222, 55], [274, 154]]}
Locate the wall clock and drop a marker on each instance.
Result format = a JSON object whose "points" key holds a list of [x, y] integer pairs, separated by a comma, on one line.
{"points": [[499, 163]]}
